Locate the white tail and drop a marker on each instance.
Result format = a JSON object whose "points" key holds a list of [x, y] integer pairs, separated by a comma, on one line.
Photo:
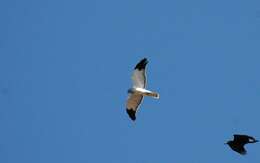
{"points": [[153, 94], [147, 92]]}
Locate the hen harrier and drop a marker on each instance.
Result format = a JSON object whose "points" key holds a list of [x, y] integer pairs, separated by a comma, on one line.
{"points": [[239, 141], [138, 90]]}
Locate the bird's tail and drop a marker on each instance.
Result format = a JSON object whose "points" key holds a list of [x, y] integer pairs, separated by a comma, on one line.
{"points": [[254, 141], [153, 94]]}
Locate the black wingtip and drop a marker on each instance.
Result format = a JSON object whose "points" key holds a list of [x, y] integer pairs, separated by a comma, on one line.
{"points": [[131, 114], [141, 65]]}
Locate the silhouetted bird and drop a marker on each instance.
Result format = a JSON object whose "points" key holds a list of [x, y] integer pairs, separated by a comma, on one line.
{"points": [[239, 141]]}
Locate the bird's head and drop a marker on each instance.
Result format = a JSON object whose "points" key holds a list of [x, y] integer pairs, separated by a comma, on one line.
{"points": [[228, 142], [130, 91]]}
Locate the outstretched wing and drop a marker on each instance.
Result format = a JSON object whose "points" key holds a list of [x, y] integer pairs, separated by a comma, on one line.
{"points": [[139, 76], [240, 150], [133, 101]]}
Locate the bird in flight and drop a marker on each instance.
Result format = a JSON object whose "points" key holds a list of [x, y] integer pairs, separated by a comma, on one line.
{"points": [[237, 144], [138, 91]]}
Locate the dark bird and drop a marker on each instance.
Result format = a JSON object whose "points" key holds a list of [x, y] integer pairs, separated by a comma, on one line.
{"points": [[237, 144]]}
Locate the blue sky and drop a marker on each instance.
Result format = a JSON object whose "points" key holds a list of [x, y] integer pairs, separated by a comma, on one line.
{"points": [[65, 68]]}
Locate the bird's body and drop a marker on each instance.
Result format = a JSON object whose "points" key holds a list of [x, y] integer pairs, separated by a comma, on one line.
{"points": [[143, 92], [239, 141], [138, 90]]}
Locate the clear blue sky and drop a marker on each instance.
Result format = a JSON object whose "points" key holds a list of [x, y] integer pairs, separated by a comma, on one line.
{"points": [[65, 68]]}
